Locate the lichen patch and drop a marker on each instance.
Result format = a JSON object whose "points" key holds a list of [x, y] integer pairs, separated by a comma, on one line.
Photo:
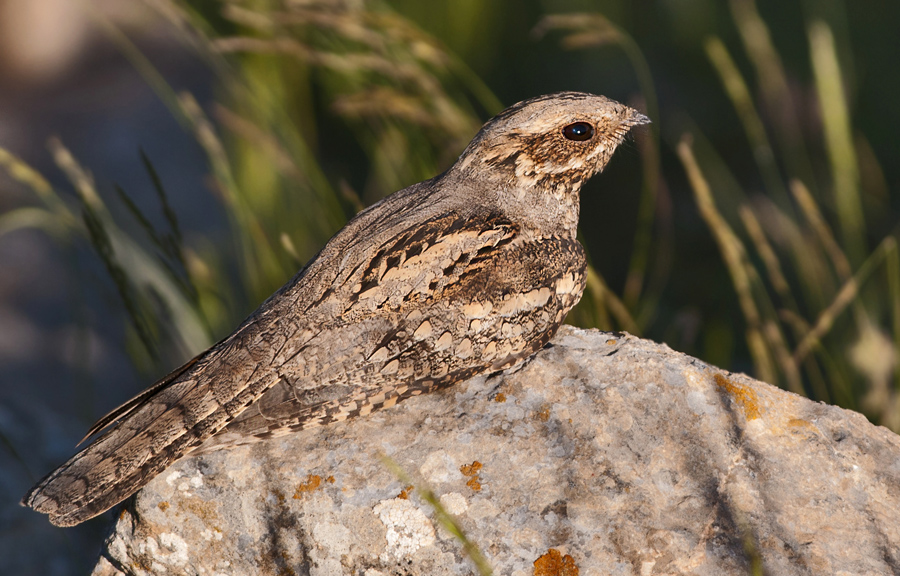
{"points": [[745, 397], [408, 528], [311, 483], [553, 563], [471, 472]]}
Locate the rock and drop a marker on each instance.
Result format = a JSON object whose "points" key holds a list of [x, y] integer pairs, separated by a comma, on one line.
{"points": [[606, 454]]}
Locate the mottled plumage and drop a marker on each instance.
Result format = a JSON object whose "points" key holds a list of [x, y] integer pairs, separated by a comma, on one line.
{"points": [[469, 272]]}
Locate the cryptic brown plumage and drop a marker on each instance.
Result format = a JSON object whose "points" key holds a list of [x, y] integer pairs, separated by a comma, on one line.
{"points": [[469, 272]]}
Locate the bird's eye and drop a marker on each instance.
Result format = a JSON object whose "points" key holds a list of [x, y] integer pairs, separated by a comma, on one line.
{"points": [[579, 131]]}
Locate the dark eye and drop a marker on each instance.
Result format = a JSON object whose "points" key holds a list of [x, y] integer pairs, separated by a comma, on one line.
{"points": [[579, 131]]}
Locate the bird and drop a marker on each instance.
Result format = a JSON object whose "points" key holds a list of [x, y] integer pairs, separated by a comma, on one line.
{"points": [[469, 272]]}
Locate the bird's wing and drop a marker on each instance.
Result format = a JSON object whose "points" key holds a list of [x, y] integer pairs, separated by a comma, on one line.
{"points": [[383, 342], [441, 302], [194, 403]]}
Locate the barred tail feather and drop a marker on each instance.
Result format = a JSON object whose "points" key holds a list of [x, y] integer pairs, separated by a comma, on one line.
{"points": [[154, 430]]}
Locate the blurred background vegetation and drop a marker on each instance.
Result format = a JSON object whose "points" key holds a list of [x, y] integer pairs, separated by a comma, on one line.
{"points": [[754, 224]]}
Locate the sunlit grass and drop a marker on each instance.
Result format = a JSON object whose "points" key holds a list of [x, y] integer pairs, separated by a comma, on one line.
{"points": [[818, 298], [820, 307]]}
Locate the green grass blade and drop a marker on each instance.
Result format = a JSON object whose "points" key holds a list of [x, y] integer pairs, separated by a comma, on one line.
{"points": [[740, 97], [774, 89], [444, 518], [838, 140]]}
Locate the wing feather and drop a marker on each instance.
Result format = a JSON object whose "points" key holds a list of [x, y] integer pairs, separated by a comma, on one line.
{"points": [[136, 402], [406, 274], [169, 420]]}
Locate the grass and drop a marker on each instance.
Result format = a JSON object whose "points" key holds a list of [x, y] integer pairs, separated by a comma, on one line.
{"points": [[324, 107], [819, 305], [827, 327], [444, 518]]}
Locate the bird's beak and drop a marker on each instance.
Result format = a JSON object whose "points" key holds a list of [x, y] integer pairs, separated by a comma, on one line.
{"points": [[636, 118]]}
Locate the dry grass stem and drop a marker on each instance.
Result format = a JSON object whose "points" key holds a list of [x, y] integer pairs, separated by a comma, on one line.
{"points": [[604, 299], [817, 222], [767, 253], [845, 297], [735, 258], [739, 94]]}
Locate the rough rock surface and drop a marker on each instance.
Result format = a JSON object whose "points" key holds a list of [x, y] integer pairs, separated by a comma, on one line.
{"points": [[620, 454]]}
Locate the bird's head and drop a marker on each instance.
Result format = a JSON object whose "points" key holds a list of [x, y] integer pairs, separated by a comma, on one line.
{"points": [[537, 154]]}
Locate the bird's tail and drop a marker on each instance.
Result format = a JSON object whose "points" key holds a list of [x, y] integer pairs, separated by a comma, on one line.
{"points": [[154, 429]]}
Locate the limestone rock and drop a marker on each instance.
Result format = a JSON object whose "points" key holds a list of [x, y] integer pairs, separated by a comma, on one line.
{"points": [[619, 454]]}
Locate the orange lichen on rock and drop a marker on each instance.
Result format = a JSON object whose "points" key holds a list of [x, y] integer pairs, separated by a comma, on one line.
{"points": [[163, 505], [471, 471], [555, 564], [799, 424], [312, 482], [744, 396], [206, 510], [500, 397], [404, 494], [544, 414]]}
